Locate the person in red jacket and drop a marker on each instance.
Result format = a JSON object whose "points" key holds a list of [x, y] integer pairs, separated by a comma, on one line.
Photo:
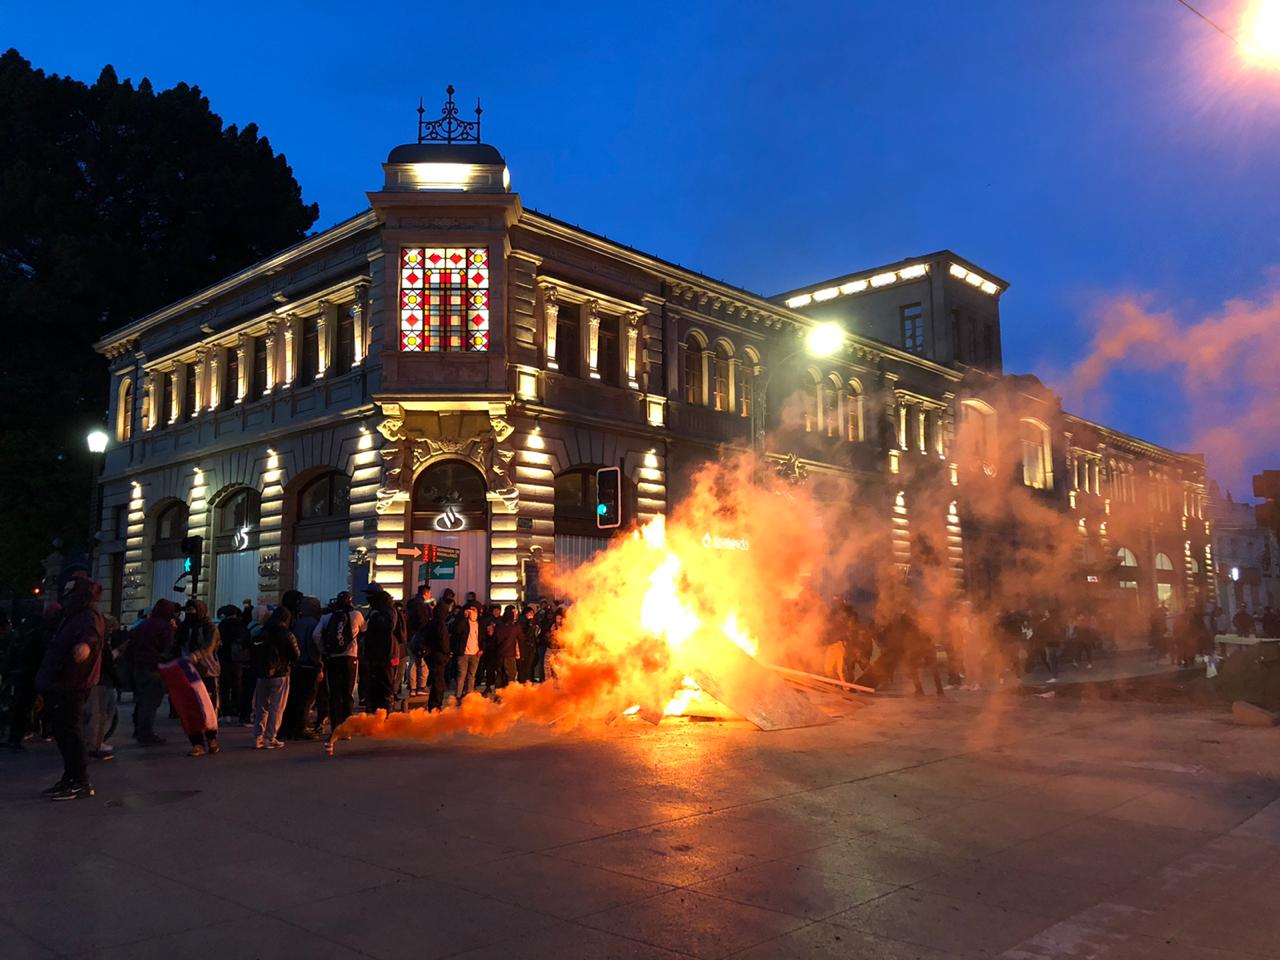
{"points": [[70, 669]]}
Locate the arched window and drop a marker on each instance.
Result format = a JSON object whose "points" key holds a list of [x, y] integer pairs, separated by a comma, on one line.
{"points": [[1037, 455], [1126, 557], [721, 366], [978, 431], [693, 350], [450, 496], [320, 532], [1193, 566], [236, 521], [1163, 562], [124, 411], [748, 370], [853, 413], [812, 398], [831, 406]]}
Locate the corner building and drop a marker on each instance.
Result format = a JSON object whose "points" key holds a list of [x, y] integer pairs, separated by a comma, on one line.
{"points": [[451, 368]]}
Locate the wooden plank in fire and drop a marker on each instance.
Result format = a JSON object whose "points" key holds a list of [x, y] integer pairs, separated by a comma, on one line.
{"points": [[745, 685]]}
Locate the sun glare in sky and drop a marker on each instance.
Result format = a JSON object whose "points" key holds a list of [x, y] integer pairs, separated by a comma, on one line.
{"points": [[1260, 34]]}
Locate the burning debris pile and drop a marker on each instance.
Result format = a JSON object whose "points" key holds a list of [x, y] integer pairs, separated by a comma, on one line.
{"points": [[680, 616]]}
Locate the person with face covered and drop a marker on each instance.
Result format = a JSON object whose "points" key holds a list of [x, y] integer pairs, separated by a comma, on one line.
{"points": [[69, 670], [149, 643]]}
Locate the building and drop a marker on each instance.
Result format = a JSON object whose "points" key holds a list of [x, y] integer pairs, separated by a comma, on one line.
{"points": [[451, 367], [1248, 557]]}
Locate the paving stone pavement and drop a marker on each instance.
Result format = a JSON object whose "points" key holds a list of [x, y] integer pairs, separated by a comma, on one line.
{"points": [[973, 827]]}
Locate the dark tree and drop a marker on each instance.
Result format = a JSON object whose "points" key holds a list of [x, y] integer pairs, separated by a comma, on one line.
{"points": [[114, 200]]}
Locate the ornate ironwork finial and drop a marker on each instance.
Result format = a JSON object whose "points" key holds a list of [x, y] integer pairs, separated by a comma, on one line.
{"points": [[449, 127]]}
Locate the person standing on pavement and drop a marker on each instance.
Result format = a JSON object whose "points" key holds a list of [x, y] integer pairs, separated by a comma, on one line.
{"points": [[1242, 623], [530, 639], [439, 651], [100, 711], [231, 636], [468, 650], [70, 669], [506, 636], [339, 641], [304, 680], [149, 643], [418, 614], [380, 647], [274, 652]]}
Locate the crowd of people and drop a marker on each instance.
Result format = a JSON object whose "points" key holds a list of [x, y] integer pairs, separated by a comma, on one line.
{"points": [[290, 671]]}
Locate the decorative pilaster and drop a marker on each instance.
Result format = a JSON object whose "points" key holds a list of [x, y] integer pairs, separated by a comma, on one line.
{"points": [[592, 309], [151, 411], [289, 327], [214, 377], [550, 318], [176, 392], [357, 332], [269, 344], [323, 329], [633, 350], [243, 372], [201, 373]]}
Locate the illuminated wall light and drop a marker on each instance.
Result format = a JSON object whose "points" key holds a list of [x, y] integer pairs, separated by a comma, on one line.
{"points": [[958, 271], [535, 440], [913, 271], [883, 279], [803, 300], [1081, 527], [366, 439], [989, 287], [955, 474], [853, 286], [828, 293], [651, 460], [973, 280], [527, 385], [273, 459]]}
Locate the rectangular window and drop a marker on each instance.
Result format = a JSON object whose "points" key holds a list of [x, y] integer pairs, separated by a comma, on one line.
{"points": [[310, 360], [608, 353], [720, 381], [912, 320], [230, 378], [444, 299], [189, 392], [258, 386], [746, 384], [344, 341], [569, 340]]}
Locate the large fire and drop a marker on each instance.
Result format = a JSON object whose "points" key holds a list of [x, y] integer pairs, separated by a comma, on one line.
{"points": [[653, 619]]}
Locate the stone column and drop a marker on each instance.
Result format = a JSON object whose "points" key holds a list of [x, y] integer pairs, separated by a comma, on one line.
{"points": [[550, 317], [201, 372], [269, 344], [243, 373], [215, 377], [290, 326], [152, 400], [357, 332], [633, 350], [323, 329], [592, 309], [176, 391]]}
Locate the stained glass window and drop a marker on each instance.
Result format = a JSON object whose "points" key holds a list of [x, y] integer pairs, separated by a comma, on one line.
{"points": [[444, 299]]}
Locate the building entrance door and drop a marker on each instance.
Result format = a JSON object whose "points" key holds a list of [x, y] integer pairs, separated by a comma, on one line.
{"points": [[450, 509]]}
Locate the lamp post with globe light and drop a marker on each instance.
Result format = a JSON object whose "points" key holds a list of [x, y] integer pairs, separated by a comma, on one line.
{"points": [[820, 341], [97, 441]]}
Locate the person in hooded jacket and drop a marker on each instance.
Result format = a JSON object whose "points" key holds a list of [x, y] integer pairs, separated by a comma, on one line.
{"points": [[149, 643], [380, 647], [507, 637], [69, 670], [439, 651], [231, 636], [304, 679], [275, 649], [34, 635], [199, 639]]}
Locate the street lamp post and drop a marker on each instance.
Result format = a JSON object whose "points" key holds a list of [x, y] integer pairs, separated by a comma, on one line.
{"points": [[820, 341], [97, 442]]}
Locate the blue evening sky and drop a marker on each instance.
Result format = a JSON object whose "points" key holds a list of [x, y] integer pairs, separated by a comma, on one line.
{"points": [[1077, 148]]}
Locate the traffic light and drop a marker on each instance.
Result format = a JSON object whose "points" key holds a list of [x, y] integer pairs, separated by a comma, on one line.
{"points": [[608, 498], [193, 550]]}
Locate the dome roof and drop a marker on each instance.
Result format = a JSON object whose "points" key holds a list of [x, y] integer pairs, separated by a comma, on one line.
{"points": [[477, 153]]}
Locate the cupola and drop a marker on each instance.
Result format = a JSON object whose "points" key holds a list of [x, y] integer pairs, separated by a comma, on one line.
{"points": [[448, 156]]}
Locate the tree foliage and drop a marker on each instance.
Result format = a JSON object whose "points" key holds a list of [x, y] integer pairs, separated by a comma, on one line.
{"points": [[114, 201]]}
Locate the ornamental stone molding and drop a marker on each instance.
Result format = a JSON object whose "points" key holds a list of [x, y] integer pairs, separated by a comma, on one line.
{"points": [[410, 447]]}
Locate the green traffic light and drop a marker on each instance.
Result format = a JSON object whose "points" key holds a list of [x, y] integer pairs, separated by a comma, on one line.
{"points": [[602, 509]]}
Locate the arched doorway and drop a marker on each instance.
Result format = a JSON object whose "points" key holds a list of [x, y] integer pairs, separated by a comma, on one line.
{"points": [[168, 562], [450, 509], [320, 532], [235, 547]]}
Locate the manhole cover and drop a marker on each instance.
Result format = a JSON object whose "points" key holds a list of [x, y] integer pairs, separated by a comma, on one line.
{"points": [[157, 798]]}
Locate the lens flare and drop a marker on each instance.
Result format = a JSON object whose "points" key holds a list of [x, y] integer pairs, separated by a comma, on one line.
{"points": [[1259, 34]]}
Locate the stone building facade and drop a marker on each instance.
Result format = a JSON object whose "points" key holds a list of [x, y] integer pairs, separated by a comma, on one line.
{"points": [[451, 368]]}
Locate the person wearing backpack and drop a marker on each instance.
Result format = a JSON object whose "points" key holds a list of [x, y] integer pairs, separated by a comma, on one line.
{"points": [[339, 631], [274, 651]]}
